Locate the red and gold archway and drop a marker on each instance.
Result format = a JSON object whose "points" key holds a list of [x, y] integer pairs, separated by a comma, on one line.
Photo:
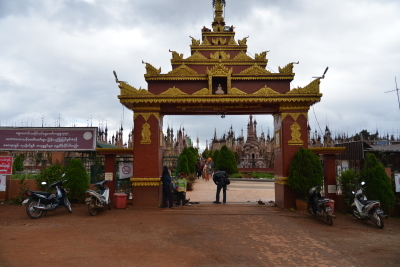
{"points": [[217, 62]]}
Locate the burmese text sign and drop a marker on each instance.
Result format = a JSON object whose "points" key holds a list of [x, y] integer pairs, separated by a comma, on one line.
{"points": [[48, 139]]}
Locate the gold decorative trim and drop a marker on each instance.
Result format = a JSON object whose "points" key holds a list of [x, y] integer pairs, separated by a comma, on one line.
{"points": [[183, 70], [294, 115], [146, 115], [232, 41], [281, 180], [219, 70], [235, 91], [220, 47], [145, 181], [293, 106], [242, 56], [277, 138], [151, 70], [146, 133], [173, 92], [218, 41], [262, 56], [176, 56], [265, 91], [220, 55], [127, 89], [203, 91], [196, 57], [194, 41], [205, 41], [311, 88], [255, 70], [243, 41], [296, 135], [288, 69]]}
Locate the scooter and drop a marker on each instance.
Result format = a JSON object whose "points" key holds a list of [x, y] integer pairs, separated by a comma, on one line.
{"points": [[364, 209], [97, 199], [39, 202], [319, 206]]}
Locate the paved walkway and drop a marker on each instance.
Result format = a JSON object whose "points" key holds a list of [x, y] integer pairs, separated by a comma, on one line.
{"points": [[238, 191]]}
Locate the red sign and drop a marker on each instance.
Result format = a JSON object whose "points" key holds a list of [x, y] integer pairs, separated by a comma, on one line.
{"points": [[6, 165], [48, 139]]}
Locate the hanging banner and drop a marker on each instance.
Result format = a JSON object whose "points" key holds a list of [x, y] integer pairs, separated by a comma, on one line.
{"points": [[6, 165], [2, 182], [48, 139], [397, 181], [125, 170]]}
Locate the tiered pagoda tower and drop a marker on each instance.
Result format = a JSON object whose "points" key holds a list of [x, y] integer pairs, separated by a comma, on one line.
{"points": [[218, 77]]}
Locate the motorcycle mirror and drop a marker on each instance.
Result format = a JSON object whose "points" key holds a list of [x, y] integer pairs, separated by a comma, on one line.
{"points": [[362, 183]]}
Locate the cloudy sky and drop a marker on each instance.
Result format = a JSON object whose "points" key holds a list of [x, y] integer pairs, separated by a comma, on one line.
{"points": [[57, 58]]}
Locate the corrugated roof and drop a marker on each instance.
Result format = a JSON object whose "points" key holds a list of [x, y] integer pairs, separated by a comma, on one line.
{"points": [[105, 145], [385, 148]]}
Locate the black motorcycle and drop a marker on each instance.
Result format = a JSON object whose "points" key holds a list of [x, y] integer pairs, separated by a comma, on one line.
{"points": [[320, 207], [39, 202]]}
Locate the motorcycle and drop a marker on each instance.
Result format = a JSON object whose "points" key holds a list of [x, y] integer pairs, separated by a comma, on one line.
{"points": [[319, 206], [39, 202], [364, 209], [97, 199]]}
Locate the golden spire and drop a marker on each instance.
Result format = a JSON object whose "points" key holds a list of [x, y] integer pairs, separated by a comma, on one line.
{"points": [[218, 18]]}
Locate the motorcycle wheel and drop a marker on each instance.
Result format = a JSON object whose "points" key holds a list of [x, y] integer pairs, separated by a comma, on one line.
{"points": [[378, 220], [67, 205], [310, 210], [92, 206], [328, 218], [356, 213], [32, 213], [109, 203]]}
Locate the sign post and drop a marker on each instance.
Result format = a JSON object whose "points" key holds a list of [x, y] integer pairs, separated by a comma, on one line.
{"points": [[6, 165]]}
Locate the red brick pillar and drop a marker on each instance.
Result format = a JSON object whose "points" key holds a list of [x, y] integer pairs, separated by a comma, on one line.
{"points": [[330, 176], [147, 159], [290, 132]]}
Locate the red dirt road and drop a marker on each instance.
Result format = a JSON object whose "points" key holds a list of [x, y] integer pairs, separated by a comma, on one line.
{"points": [[199, 235]]}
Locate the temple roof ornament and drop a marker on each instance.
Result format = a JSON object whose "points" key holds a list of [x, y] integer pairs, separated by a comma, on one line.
{"points": [[218, 23]]}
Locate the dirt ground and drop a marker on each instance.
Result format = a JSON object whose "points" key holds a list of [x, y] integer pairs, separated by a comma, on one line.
{"points": [[234, 234]]}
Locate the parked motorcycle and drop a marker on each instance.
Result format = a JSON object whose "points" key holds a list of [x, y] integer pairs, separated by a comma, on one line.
{"points": [[319, 206], [364, 209], [98, 199], [39, 202]]}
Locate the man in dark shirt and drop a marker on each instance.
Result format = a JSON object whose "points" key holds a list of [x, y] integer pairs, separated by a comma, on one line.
{"points": [[219, 180]]}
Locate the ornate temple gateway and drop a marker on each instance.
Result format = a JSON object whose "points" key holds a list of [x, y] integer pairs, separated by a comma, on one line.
{"points": [[218, 77]]}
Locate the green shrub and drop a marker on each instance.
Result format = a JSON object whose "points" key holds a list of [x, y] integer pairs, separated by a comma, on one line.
{"points": [[378, 184], [227, 160], [216, 159], [235, 175], [51, 174], [262, 175], [77, 180], [305, 172], [183, 164], [18, 164], [349, 181]]}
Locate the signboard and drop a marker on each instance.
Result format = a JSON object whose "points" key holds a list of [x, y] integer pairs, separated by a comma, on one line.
{"points": [[48, 139], [6, 165], [2, 182], [125, 170], [108, 176], [332, 189], [397, 181]]}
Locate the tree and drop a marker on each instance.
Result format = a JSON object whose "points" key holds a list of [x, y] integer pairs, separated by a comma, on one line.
{"points": [[215, 159], [77, 180], [50, 175], [349, 181], [305, 172], [183, 163], [227, 161], [378, 184], [18, 164]]}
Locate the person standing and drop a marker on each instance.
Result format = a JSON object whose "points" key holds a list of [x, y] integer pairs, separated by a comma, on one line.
{"points": [[168, 199], [181, 192], [206, 171], [219, 180]]}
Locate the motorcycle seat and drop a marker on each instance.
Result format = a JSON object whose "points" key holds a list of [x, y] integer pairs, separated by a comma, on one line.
{"points": [[41, 193]]}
